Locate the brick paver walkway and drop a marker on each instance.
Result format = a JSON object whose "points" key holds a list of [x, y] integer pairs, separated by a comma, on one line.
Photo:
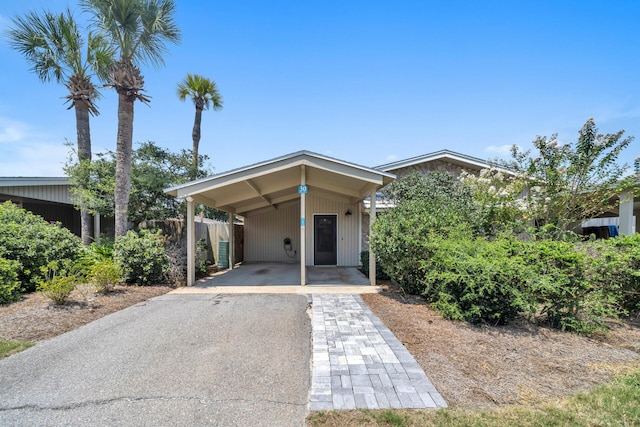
{"points": [[359, 363]]}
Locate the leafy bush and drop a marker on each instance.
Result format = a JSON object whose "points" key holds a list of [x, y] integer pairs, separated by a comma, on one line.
{"points": [[104, 275], [567, 296], [202, 263], [364, 259], [9, 283], [142, 257], [34, 243], [475, 280], [59, 281], [615, 268]]}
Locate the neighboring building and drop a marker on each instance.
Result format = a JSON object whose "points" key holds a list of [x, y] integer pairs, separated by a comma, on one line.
{"points": [[49, 198], [443, 160], [624, 219]]}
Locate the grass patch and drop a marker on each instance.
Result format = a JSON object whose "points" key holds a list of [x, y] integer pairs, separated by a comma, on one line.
{"points": [[8, 348], [616, 403]]}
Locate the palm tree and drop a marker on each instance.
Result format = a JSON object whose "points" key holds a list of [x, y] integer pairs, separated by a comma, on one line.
{"points": [[139, 30], [203, 92], [54, 46]]}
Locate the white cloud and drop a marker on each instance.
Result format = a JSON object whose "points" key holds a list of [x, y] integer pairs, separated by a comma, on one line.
{"points": [[11, 130], [24, 152], [500, 150], [391, 158], [38, 159]]}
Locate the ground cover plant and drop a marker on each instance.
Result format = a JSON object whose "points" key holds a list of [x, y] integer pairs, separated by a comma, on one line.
{"points": [[8, 348]]}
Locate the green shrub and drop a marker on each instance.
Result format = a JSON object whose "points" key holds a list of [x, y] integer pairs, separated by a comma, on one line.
{"points": [[96, 252], [567, 296], [9, 283], [142, 257], [34, 243], [475, 280], [436, 203], [364, 259], [59, 281], [615, 268], [202, 263], [104, 275]]}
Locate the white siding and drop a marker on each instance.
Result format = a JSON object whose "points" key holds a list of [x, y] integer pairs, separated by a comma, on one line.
{"points": [[264, 235]]}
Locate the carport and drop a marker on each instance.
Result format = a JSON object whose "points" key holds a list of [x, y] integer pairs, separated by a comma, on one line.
{"points": [[302, 207]]}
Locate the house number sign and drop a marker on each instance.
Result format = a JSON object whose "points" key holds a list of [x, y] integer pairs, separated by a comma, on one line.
{"points": [[303, 189]]}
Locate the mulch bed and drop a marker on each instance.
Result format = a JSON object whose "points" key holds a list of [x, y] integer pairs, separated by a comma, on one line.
{"points": [[36, 318], [485, 366]]}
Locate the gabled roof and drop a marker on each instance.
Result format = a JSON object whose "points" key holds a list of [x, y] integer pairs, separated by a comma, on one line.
{"points": [[462, 160], [268, 184]]}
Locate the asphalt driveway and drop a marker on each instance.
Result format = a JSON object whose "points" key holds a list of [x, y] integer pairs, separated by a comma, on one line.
{"points": [[200, 359]]}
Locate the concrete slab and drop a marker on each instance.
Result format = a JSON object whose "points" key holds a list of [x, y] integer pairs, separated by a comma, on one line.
{"points": [[283, 279]]}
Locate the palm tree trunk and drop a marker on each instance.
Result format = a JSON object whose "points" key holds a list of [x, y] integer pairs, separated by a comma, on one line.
{"points": [[196, 142], [84, 154], [123, 161]]}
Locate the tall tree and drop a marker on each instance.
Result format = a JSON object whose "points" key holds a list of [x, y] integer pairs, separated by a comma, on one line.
{"points": [[573, 182], [153, 169], [139, 30], [203, 92], [54, 46]]}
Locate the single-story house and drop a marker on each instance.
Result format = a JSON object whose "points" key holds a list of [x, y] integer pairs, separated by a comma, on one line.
{"points": [[316, 210], [302, 207]]}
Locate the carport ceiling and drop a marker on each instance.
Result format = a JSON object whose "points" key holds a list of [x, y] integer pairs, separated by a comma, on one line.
{"points": [[267, 185]]}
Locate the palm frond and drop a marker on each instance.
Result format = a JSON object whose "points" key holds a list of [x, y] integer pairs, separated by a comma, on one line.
{"points": [[202, 91]]}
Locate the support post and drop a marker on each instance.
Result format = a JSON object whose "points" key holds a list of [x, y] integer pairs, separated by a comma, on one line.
{"points": [[303, 236], [626, 213], [231, 241], [191, 240], [372, 256]]}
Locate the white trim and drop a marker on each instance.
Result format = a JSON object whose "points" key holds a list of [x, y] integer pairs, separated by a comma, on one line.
{"points": [[270, 166], [442, 154], [32, 181]]}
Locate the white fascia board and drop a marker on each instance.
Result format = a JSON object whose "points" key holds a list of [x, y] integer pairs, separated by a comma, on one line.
{"points": [[278, 164], [442, 154], [32, 181]]}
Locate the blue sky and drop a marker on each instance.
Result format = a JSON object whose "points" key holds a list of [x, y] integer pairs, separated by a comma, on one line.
{"points": [[365, 81]]}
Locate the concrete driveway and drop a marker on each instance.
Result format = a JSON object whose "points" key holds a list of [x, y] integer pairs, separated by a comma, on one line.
{"points": [[200, 359]]}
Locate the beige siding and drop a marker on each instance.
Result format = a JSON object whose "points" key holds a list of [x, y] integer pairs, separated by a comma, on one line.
{"points": [[348, 228], [50, 193], [265, 232], [264, 235]]}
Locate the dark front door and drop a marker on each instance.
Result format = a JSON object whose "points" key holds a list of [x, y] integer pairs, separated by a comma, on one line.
{"points": [[325, 238]]}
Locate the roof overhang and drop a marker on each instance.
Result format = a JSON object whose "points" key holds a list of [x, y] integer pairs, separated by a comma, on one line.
{"points": [[462, 160], [267, 185]]}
